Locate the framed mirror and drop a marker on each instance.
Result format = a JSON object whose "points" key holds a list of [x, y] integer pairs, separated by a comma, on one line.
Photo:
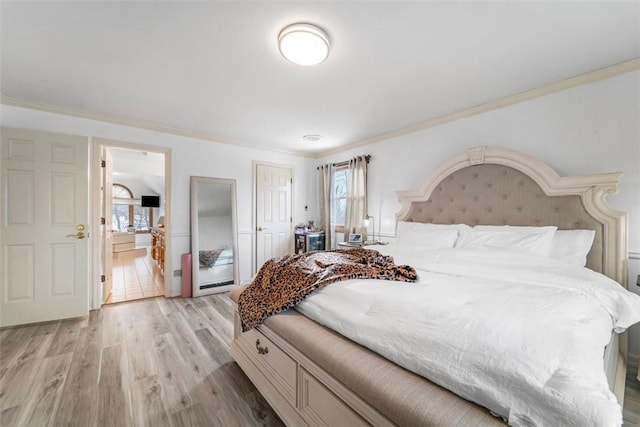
{"points": [[214, 251]]}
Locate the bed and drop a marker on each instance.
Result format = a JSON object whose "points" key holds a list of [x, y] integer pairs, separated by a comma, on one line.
{"points": [[313, 375], [215, 268]]}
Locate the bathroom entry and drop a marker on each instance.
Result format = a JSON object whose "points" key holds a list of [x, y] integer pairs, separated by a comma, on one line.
{"points": [[133, 241]]}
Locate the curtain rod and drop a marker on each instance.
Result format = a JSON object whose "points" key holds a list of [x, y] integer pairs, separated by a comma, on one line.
{"points": [[367, 158]]}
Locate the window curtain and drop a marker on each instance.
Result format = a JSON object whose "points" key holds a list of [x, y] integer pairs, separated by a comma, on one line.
{"points": [[325, 203], [356, 197]]}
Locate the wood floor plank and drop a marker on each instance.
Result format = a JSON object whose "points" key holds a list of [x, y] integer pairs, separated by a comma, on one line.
{"points": [[47, 328], [66, 337], [196, 416], [222, 304], [167, 305], [171, 372], [13, 342], [142, 361], [222, 327], [140, 331], [191, 314], [149, 405], [45, 395], [188, 343], [114, 407], [9, 416], [17, 383], [215, 348], [79, 402]]}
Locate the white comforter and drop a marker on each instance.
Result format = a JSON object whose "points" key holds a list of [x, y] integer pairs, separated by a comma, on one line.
{"points": [[519, 334]]}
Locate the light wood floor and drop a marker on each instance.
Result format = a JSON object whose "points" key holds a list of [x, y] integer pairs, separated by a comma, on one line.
{"points": [[631, 413], [135, 276], [153, 362]]}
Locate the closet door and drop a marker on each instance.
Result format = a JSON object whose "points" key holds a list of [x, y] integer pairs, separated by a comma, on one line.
{"points": [[273, 212]]}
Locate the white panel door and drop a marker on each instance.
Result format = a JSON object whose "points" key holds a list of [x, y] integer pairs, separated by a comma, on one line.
{"points": [[43, 230], [273, 213]]}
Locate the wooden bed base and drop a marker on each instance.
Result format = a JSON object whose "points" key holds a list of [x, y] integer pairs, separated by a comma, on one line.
{"points": [[302, 393]]}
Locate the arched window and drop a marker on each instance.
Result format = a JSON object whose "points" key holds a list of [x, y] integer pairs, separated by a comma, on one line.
{"points": [[127, 212]]}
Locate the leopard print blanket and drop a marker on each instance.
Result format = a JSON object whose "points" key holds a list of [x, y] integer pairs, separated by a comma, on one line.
{"points": [[283, 282]]}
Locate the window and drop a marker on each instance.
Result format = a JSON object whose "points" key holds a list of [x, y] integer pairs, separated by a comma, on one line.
{"points": [[339, 196], [127, 212]]}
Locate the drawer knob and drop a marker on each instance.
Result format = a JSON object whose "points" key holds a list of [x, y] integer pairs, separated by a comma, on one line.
{"points": [[261, 350]]}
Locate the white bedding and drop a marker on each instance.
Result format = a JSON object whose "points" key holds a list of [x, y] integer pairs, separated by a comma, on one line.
{"points": [[519, 334]]}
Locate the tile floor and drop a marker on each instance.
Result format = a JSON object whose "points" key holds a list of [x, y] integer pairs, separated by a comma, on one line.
{"points": [[135, 275]]}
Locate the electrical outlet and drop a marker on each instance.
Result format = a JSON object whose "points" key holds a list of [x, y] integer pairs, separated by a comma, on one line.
{"points": [[638, 280], [177, 273]]}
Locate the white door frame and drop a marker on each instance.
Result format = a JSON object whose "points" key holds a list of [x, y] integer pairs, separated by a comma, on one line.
{"points": [[254, 190], [95, 296]]}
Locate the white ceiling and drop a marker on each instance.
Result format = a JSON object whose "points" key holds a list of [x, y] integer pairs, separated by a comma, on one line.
{"points": [[213, 68]]}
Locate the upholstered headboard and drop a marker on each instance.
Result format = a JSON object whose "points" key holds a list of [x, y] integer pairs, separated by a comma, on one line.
{"points": [[496, 186]]}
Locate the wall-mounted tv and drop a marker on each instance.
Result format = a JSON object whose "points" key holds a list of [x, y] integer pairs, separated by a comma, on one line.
{"points": [[150, 201]]}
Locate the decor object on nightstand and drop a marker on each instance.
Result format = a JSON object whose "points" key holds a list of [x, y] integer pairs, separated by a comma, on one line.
{"points": [[306, 241], [365, 223]]}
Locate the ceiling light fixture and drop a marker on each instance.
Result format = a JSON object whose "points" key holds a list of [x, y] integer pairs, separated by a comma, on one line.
{"points": [[312, 138], [303, 44]]}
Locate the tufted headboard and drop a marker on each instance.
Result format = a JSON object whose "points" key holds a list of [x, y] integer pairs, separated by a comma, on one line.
{"points": [[496, 186]]}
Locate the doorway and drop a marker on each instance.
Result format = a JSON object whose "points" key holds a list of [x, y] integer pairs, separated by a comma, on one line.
{"points": [[133, 209]]}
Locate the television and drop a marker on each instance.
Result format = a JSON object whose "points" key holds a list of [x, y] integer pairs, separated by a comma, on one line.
{"points": [[150, 201]]}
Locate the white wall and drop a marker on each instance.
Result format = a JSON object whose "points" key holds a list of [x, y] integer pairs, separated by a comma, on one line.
{"points": [[588, 129], [189, 156]]}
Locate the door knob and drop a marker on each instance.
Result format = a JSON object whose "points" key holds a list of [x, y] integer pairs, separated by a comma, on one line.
{"points": [[79, 235], [262, 228]]}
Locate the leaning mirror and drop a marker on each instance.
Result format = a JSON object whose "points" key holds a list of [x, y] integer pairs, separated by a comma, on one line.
{"points": [[213, 235]]}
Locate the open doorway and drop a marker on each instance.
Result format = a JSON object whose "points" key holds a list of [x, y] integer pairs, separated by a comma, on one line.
{"points": [[133, 239]]}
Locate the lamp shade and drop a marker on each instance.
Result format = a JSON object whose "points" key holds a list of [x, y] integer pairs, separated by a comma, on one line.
{"points": [[303, 44]]}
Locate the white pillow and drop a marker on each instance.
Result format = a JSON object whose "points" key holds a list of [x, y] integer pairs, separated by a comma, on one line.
{"points": [[424, 234], [572, 246], [535, 240]]}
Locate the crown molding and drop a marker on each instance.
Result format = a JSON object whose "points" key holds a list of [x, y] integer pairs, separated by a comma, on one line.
{"points": [[582, 79], [189, 133]]}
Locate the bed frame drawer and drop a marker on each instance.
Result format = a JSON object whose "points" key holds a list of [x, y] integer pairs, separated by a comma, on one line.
{"points": [[276, 365], [321, 407], [300, 392]]}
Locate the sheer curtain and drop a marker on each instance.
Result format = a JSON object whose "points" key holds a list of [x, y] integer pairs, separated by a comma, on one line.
{"points": [[325, 193], [356, 197]]}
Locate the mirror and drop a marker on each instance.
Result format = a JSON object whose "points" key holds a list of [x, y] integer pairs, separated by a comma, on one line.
{"points": [[213, 235]]}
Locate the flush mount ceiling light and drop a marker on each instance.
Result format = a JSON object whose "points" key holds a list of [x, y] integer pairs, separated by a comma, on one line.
{"points": [[303, 44]]}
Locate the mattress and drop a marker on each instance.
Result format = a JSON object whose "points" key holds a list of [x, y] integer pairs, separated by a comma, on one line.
{"points": [[522, 336]]}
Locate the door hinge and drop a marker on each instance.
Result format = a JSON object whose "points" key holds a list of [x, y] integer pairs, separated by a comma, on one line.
{"points": [[291, 180], [290, 219], [102, 221], [103, 164], [103, 278]]}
